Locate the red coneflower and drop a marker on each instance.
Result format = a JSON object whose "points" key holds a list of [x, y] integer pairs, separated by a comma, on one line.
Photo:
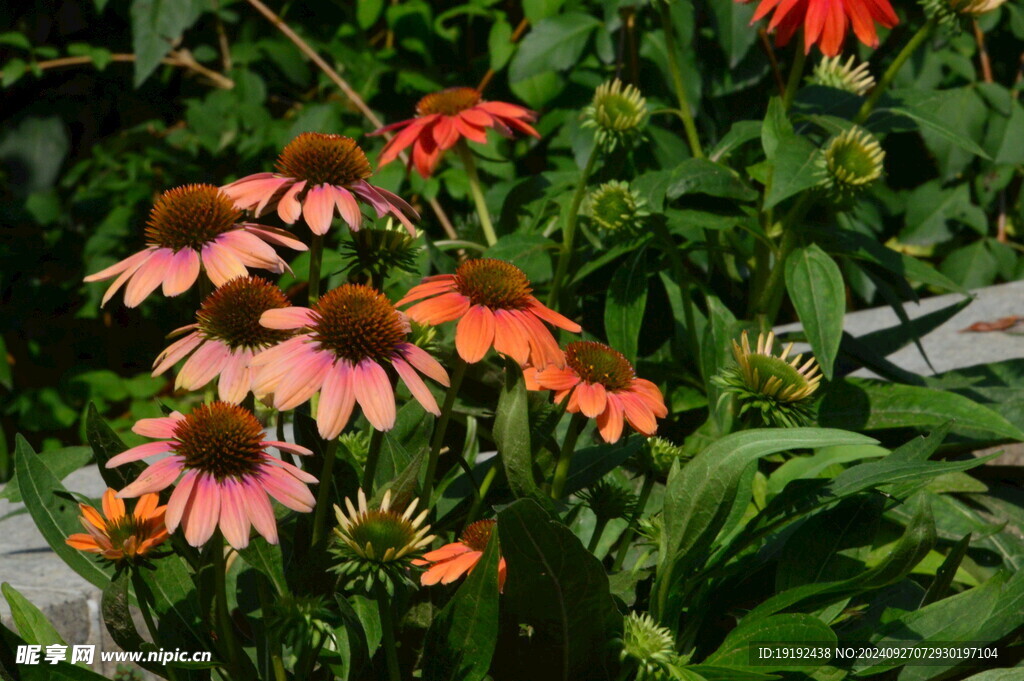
{"points": [[451, 561], [493, 302], [825, 22], [443, 118], [226, 335], [600, 383], [191, 227], [120, 535], [318, 174], [348, 339], [227, 473]]}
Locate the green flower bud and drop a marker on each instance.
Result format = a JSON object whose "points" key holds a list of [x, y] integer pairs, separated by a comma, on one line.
{"points": [[832, 72], [617, 113], [851, 161], [614, 207]]}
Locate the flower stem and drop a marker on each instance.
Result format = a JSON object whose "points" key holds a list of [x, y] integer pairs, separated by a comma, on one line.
{"points": [[469, 164], [922, 35], [143, 597], [458, 373], [796, 71], [323, 495], [569, 231], [685, 112], [225, 627], [771, 295], [565, 455], [370, 470], [387, 626], [273, 646], [627, 536], [595, 538], [316, 256], [478, 503]]}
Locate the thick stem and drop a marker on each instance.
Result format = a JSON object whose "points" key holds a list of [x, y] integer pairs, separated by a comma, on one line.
{"points": [[370, 470], [478, 503], [796, 72], [387, 626], [922, 35], [627, 536], [225, 627], [685, 112], [771, 296], [595, 538], [323, 495], [458, 373], [316, 258], [565, 455], [273, 644], [469, 164], [569, 231]]}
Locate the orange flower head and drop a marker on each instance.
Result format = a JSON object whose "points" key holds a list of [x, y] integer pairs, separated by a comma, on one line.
{"points": [[444, 118], [826, 22], [495, 306], [600, 383], [451, 561], [121, 536]]}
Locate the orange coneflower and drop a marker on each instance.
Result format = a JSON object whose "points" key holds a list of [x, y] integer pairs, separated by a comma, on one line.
{"points": [[600, 384], [826, 22], [120, 535], [451, 561], [443, 118], [348, 339], [493, 302], [318, 174], [189, 228], [227, 473]]}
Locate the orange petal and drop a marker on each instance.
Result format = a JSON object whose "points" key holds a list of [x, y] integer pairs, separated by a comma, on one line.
{"points": [[475, 334], [113, 507]]}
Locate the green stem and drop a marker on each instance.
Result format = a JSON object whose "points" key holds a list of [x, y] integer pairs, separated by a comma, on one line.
{"points": [[595, 538], [796, 72], [565, 455], [458, 373], [316, 257], [142, 596], [627, 536], [478, 503], [323, 495], [370, 470], [273, 642], [771, 295], [225, 627], [387, 626], [685, 112], [922, 35], [569, 232], [478, 195]]}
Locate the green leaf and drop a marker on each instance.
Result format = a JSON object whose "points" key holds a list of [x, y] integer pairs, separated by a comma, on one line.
{"points": [[553, 44], [795, 169], [512, 435], [156, 25], [808, 467], [530, 252], [590, 464], [535, 10], [947, 571], [368, 12], [462, 637], [625, 304], [267, 558], [117, 616], [175, 601], [700, 176], [922, 106], [776, 129], [12, 72], [736, 650], [61, 462], [499, 43], [732, 24], [54, 515], [816, 288], [105, 445], [62, 671], [560, 589], [867, 404], [32, 624]]}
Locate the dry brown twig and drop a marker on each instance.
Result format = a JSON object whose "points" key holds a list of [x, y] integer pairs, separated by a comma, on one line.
{"points": [[180, 58]]}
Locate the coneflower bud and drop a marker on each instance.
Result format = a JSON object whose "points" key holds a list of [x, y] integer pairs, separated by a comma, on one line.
{"points": [[650, 648], [609, 501], [380, 249], [617, 113], [614, 207], [851, 161], [832, 72]]}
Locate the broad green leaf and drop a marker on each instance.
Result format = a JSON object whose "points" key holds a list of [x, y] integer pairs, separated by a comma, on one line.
{"points": [[54, 514], [32, 624], [535, 10], [267, 558], [740, 133], [117, 616], [625, 304], [794, 169], [368, 12], [62, 671], [499, 43], [922, 106], [736, 650], [156, 25], [530, 252], [700, 176], [512, 435], [559, 589], [939, 587], [806, 467], [592, 463], [462, 637], [815, 286], [175, 602], [720, 331], [105, 445], [732, 24], [61, 462], [553, 44], [776, 129], [875, 405]]}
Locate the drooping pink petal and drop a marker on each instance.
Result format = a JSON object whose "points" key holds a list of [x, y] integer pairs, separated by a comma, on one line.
{"points": [[175, 351], [181, 273], [222, 265], [286, 489], [295, 471], [156, 477], [416, 386], [510, 338], [140, 452], [423, 362], [318, 209], [179, 500], [337, 397], [289, 208], [130, 263], [348, 207], [257, 508], [148, 277], [288, 447], [374, 393], [251, 250], [287, 318], [161, 427], [204, 364], [474, 334], [203, 511], [127, 274], [275, 236], [235, 377], [305, 378], [234, 521]]}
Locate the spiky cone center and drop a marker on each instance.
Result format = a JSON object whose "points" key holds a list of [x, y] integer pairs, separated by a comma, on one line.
{"points": [[613, 206], [773, 376], [357, 322], [645, 643], [617, 107], [448, 102], [854, 158], [190, 217], [231, 314], [383, 536], [319, 158], [478, 534], [598, 363], [833, 72], [496, 284], [220, 439], [127, 533], [609, 501]]}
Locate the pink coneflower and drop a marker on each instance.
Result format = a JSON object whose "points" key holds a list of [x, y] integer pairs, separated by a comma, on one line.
{"points": [[443, 118], [349, 339], [316, 175], [493, 302], [227, 473], [189, 228], [600, 383], [226, 335]]}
